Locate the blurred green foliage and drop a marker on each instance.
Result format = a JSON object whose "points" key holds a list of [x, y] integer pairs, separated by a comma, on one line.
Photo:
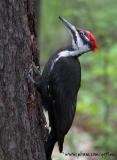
{"points": [[97, 98]]}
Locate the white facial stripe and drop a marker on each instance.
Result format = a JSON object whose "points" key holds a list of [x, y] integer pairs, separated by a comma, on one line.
{"points": [[79, 40], [79, 45], [86, 38]]}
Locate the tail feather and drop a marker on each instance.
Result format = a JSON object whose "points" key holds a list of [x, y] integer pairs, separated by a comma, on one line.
{"points": [[60, 144], [50, 145]]}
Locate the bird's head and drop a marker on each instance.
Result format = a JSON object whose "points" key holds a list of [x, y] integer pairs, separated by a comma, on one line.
{"points": [[82, 40]]}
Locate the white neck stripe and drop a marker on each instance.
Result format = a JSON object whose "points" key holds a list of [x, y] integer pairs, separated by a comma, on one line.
{"points": [[64, 53]]}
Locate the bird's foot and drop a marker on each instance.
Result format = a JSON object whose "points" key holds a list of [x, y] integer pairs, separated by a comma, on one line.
{"points": [[36, 69], [30, 78]]}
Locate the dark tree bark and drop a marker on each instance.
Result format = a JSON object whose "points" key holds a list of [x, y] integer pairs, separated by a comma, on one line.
{"points": [[21, 116]]}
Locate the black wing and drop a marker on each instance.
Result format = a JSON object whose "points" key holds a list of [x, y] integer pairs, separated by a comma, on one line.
{"points": [[64, 83]]}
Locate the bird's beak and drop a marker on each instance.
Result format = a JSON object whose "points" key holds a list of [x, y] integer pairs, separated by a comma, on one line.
{"points": [[71, 27]]}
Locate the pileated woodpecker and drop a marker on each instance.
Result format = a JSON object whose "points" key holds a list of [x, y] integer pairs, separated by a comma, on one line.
{"points": [[60, 82]]}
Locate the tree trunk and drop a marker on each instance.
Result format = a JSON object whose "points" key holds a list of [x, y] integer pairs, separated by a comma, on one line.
{"points": [[21, 116]]}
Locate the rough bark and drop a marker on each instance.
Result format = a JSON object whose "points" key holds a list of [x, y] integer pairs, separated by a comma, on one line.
{"points": [[21, 117]]}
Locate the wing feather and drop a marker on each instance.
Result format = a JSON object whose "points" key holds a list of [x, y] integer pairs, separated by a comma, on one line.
{"points": [[64, 83]]}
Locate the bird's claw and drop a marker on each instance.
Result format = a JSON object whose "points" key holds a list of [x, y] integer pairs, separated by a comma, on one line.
{"points": [[30, 75], [37, 70], [33, 69], [30, 78]]}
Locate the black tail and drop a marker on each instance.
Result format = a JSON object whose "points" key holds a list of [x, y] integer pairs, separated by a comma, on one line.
{"points": [[60, 143], [50, 145]]}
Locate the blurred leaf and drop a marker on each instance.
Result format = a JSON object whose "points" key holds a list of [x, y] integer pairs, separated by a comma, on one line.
{"points": [[98, 90]]}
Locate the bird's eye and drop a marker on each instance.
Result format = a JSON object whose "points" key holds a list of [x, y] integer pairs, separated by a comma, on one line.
{"points": [[81, 33], [84, 36]]}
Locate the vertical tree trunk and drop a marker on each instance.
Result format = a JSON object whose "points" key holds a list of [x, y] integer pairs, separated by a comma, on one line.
{"points": [[21, 116]]}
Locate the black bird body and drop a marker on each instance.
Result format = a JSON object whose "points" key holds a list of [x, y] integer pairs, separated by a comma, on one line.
{"points": [[59, 85], [59, 88]]}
